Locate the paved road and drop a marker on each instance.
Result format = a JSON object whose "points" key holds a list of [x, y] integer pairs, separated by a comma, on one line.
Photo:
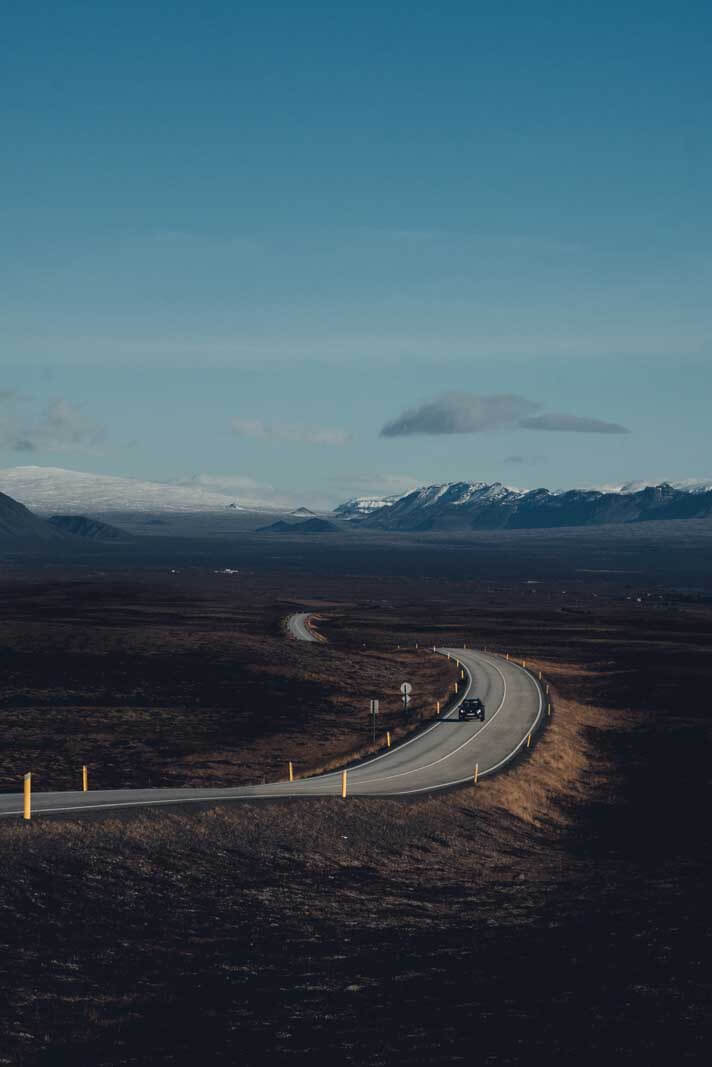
{"points": [[298, 626], [442, 755]]}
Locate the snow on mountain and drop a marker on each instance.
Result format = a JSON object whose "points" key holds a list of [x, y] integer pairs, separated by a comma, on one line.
{"points": [[52, 489], [693, 485], [687, 485], [481, 506], [359, 506]]}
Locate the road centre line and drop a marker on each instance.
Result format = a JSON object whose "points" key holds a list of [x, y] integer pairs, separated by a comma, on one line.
{"points": [[449, 755]]}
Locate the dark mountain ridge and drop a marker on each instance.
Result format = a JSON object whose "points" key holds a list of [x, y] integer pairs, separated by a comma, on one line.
{"points": [[19, 525], [81, 526], [479, 506], [311, 526]]}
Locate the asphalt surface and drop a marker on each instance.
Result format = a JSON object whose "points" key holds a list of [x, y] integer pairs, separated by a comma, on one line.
{"points": [[298, 626], [443, 755]]}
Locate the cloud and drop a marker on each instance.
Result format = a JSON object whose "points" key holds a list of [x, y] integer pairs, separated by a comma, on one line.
{"points": [[476, 413], [244, 490], [461, 413], [571, 424], [227, 483], [377, 484], [60, 426], [275, 431], [529, 461]]}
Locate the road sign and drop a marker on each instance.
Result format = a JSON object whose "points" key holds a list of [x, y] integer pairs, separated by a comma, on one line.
{"points": [[374, 707], [406, 687]]}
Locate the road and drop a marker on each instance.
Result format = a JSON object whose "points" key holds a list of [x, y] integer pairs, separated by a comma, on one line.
{"points": [[441, 756], [298, 626]]}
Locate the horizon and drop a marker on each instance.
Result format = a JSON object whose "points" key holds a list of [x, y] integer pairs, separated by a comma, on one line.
{"points": [[34, 490]]}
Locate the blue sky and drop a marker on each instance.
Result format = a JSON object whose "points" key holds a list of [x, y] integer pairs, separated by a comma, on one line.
{"points": [[238, 241]]}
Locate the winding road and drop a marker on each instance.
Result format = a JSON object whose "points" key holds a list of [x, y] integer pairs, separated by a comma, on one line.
{"points": [[298, 626], [442, 755]]}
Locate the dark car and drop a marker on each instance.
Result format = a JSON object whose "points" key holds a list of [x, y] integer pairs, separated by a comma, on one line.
{"points": [[473, 708]]}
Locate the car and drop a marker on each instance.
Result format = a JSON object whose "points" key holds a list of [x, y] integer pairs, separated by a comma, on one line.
{"points": [[472, 708]]}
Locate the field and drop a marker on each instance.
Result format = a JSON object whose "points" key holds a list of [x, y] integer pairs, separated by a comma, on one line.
{"points": [[556, 912]]}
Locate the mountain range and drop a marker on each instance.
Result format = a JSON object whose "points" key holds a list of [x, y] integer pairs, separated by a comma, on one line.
{"points": [[457, 506], [484, 506]]}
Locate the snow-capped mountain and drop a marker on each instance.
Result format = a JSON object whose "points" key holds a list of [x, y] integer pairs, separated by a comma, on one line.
{"points": [[359, 506], [52, 489], [481, 506], [687, 485]]}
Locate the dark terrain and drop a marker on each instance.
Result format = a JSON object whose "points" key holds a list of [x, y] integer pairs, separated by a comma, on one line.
{"points": [[557, 913]]}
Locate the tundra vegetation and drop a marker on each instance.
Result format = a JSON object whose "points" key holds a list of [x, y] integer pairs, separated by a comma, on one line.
{"points": [[556, 910]]}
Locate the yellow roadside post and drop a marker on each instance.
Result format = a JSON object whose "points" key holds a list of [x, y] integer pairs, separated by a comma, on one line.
{"points": [[507, 656], [529, 741], [455, 684], [548, 709], [388, 738], [524, 663], [477, 771], [85, 778], [437, 707], [27, 806], [539, 675], [462, 674], [343, 783], [291, 771], [547, 688]]}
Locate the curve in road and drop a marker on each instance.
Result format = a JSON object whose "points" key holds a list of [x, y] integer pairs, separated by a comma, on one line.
{"points": [[298, 626], [441, 756]]}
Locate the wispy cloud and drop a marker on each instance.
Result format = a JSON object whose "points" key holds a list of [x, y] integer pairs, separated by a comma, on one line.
{"points": [[475, 413], [376, 484], [528, 461], [58, 427], [280, 431], [571, 424], [243, 489], [460, 413]]}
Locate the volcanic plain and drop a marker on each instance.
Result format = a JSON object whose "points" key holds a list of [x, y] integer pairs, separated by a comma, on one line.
{"points": [[556, 912]]}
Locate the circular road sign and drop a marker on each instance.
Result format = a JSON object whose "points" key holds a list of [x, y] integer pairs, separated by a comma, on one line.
{"points": [[406, 688]]}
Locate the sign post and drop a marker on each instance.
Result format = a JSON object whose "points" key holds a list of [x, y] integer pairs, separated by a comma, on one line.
{"points": [[406, 689], [373, 713]]}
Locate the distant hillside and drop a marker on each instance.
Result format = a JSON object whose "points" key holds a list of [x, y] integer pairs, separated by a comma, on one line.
{"points": [[81, 526], [19, 525], [311, 526], [54, 490], [483, 506], [302, 511]]}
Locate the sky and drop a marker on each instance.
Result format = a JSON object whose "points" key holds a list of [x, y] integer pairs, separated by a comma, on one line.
{"points": [[317, 251]]}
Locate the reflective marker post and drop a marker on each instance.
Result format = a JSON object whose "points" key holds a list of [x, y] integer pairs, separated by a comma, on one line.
{"points": [[27, 805]]}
